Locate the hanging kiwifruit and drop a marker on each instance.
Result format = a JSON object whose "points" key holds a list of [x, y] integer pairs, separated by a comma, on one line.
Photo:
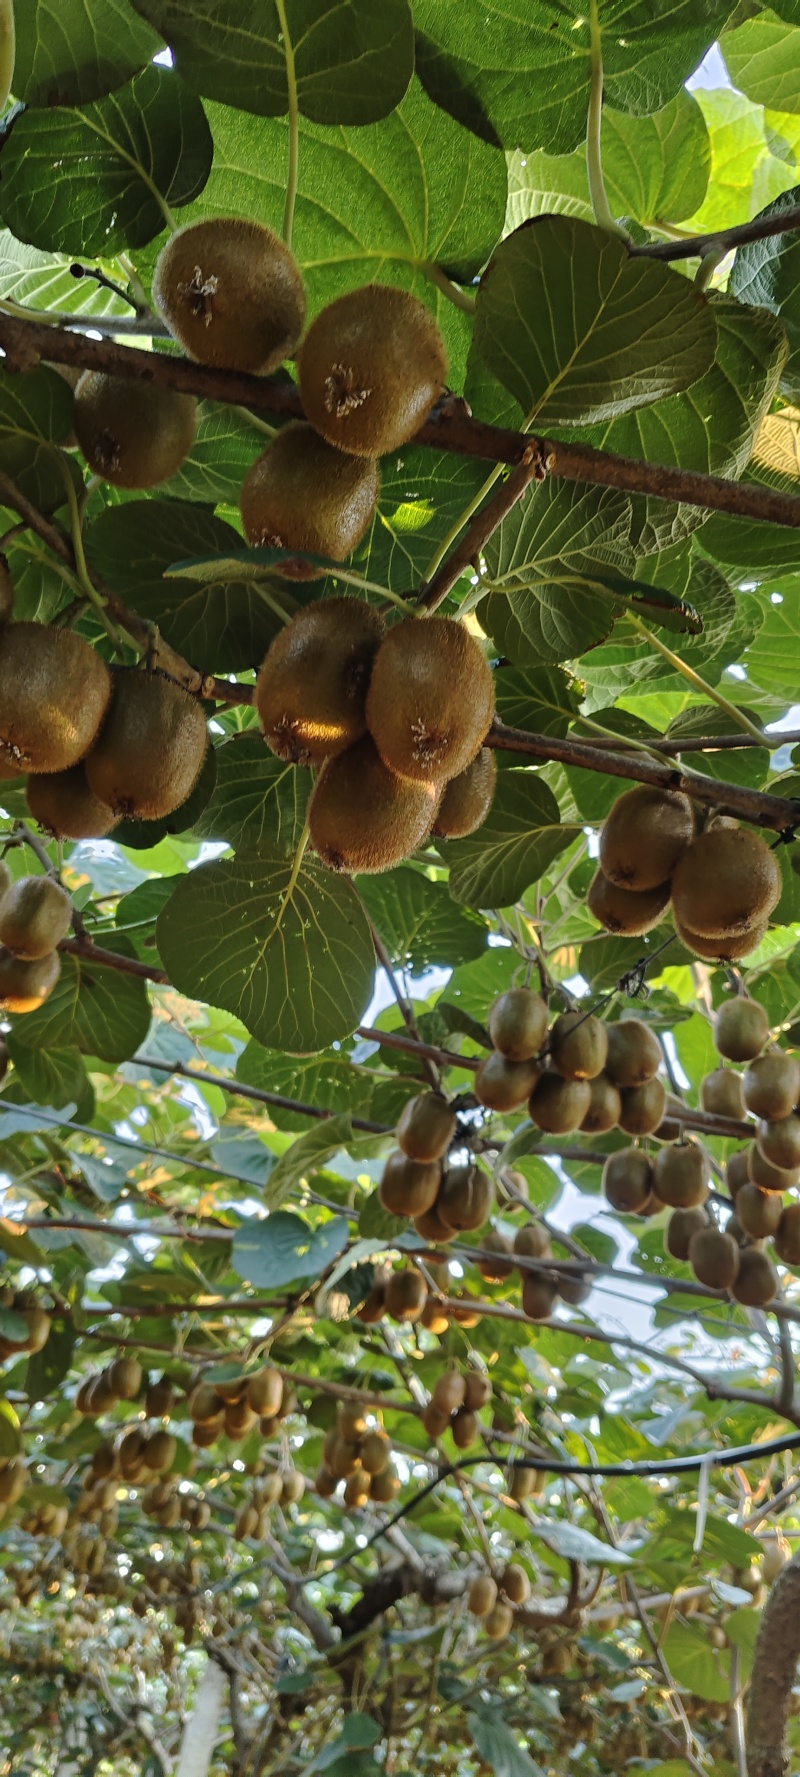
{"points": [[727, 881], [779, 1142], [465, 1428], [448, 1391], [406, 1294], [265, 1391], [467, 798], [431, 698], [151, 750], [35, 914], [409, 1187], [427, 1126], [232, 293], [626, 912], [539, 1296], [642, 1107], [501, 1263], [558, 1105], [159, 1399], [741, 1028], [518, 1023], [578, 1045], [24, 986], [132, 434], [605, 1105], [721, 1093], [311, 690], [466, 1199], [682, 1225], [515, 1583], [787, 1235], [628, 1180], [375, 1452], [430, 1226], [533, 1241], [371, 367], [680, 1175], [477, 1391], [54, 694], [435, 1419], [362, 817], [644, 837], [771, 1085], [125, 1377], [503, 1085], [574, 1290], [738, 1170], [66, 808], [634, 1052], [756, 1284], [482, 1595], [728, 949], [385, 1486], [759, 1212], [499, 1621], [762, 1172], [714, 1258], [305, 495]]}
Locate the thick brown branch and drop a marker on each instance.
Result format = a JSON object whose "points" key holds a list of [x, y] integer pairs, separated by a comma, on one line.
{"points": [[774, 1666], [723, 240]]}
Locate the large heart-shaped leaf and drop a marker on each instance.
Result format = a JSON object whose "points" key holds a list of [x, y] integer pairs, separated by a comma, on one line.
{"points": [[283, 1248], [654, 167], [92, 1009], [767, 273], [72, 51], [519, 839], [418, 923], [540, 567], [763, 60], [258, 800]]}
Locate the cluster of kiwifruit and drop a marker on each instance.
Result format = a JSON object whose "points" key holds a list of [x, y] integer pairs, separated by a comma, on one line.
{"points": [[723, 882], [495, 1600], [234, 1408], [283, 1487], [120, 1380], [163, 1501], [441, 1202], [35, 914], [455, 1403], [359, 1455], [36, 1318], [404, 1295], [578, 1074], [48, 1518]]}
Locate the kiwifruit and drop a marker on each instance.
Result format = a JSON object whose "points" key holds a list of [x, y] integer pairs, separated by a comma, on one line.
{"points": [[7, 591], [721, 1093], [741, 1028], [406, 1294], [518, 1023], [765, 1175], [434, 1315], [779, 1141], [628, 1180], [680, 1175], [431, 698], [466, 1198], [482, 1595], [125, 1377], [499, 1621], [26, 985], [265, 1391], [682, 1225], [574, 1290], [467, 798], [159, 1398], [232, 293], [160, 1449], [627, 912], [578, 1045], [35, 914], [605, 1104], [634, 1052], [515, 1583], [757, 1282], [206, 1432], [714, 1258], [728, 949], [669, 1129], [373, 1308], [204, 1403], [341, 1456], [350, 1419], [231, 1388], [464, 1427], [738, 1170], [558, 1105], [503, 1085], [13, 1480], [133, 434], [532, 1241], [644, 837], [385, 1486], [325, 1484], [642, 1107], [66, 808], [239, 1419], [409, 1187], [431, 1227], [371, 367], [435, 1420], [449, 1391], [726, 882], [477, 1390], [245, 1523], [54, 694], [311, 690], [539, 1296], [426, 1127], [305, 495], [294, 1486], [524, 1482], [771, 1085], [500, 1265], [375, 1452], [362, 817], [787, 1235], [758, 1211], [734, 1227], [151, 750]]}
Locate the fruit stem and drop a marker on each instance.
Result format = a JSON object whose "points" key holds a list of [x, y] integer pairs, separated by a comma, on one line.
{"points": [[594, 122], [293, 168], [462, 299], [688, 672]]}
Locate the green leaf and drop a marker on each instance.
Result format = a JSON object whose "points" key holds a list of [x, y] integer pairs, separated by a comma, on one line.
{"points": [[294, 961], [574, 1544], [767, 273], [10, 1437], [698, 1667], [35, 415], [97, 1010], [654, 167], [353, 60], [51, 1076], [763, 60], [378, 1223], [48, 1367], [418, 923], [282, 1248], [103, 177], [772, 657], [258, 799], [540, 563], [543, 699], [308, 1154], [331, 1081], [748, 166], [44, 280], [519, 839], [497, 1744], [72, 51]]}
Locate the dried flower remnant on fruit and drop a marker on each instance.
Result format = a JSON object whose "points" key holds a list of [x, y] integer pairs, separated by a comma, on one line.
{"points": [[341, 397], [197, 294]]}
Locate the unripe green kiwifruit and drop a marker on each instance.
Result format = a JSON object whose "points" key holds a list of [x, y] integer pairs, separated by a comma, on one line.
{"points": [[642, 1107], [728, 949], [680, 1175], [431, 698], [478, 1391], [311, 690], [539, 1296], [503, 1085], [741, 1028], [515, 1583], [518, 1023], [431, 1227], [406, 1295], [778, 1140], [466, 1199], [721, 1093], [739, 1170], [305, 495], [54, 694], [151, 750], [787, 1235], [644, 837], [409, 1187], [426, 1127], [133, 434], [765, 1175], [634, 1052], [66, 808], [759, 1212], [628, 1180], [467, 798], [375, 1452], [449, 1391], [771, 1085], [558, 1105], [125, 1377], [682, 1225], [726, 882], [714, 1258], [35, 914], [626, 912], [371, 367], [365, 819], [24, 986], [757, 1282], [232, 293], [532, 1241], [482, 1595], [385, 1486], [605, 1105], [578, 1045], [500, 1265]]}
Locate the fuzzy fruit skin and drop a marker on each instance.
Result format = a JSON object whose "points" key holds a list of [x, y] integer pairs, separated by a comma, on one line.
{"points": [[787, 1236], [365, 819], [431, 1227], [727, 881], [642, 1107], [558, 1105], [54, 695], [135, 435], [35, 914], [426, 1127], [634, 1052], [501, 1264], [467, 798], [779, 1142], [762, 1172], [578, 1046], [312, 688], [515, 1583], [25, 986], [406, 1295], [539, 1297], [682, 1225], [532, 1241], [231, 293], [721, 1093], [605, 1106], [714, 1258], [771, 1085], [151, 750], [371, 367], [409, 1187], [628, 1180], [518, 1023], [64, 806], [482, 1595], [729, 949], [304, 494], [741, 1028], [431, 698], [466, 1199], [449, 1391], [627, 912], [758, 1211], [757, 1282], [680, 1176], [644, 837], [503, 1085], [738, 1170]]}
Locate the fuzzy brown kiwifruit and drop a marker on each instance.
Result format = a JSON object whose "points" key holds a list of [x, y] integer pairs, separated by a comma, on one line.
{"points": [[518, 1023], [409, 1187], [642, 1107], [532, 1241], [464, 1427], [54, 695], [467, 798], [714, 1258], [371, 367], [466, 1199], [727, 881], [311, 690], [375, 1452], [449, 1391], [578, 1045], [431, 698], [771, 1085], [680, 1175], [385, 1486], [503, 1085], [741, 1028], [738, 1170], [482, 1595], [787, 1235], [524, 1482], [239, 1419], [159, 1450], [406, 1295], [778, 1140], [305, 495], [232, 293], [539, 1296], [125, 1377], [768, 1177], [465, 1311], [605, 1105], [159, 1399], [759, 1212], [627, 912], [373, 1308], [24, 986], [756, 1284], [499, 1621], [151, 749], [134, 435], [501, 1263], [682, 1225], [558, 1105], [204, 1403], [66, 808], [721, 1093], [634, 1052], [515, 1583], [341, 1456], [434, 1315], [477, 1391], [35, 914], [728, 949], [293, 1488], [265, 1391], [628, 1180], [432, 1227], [574, 1290], [644, 837], [365, 819], [426, 1127], [435, 1420]]}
